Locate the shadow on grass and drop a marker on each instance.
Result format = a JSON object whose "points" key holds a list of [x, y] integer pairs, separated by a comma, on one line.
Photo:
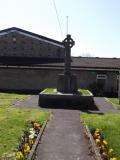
{"points": [[94, 112]]}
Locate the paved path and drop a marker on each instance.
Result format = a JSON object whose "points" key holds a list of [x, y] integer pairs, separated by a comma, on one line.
{"points": [[103, 105], [31, 102], [63, 138]]}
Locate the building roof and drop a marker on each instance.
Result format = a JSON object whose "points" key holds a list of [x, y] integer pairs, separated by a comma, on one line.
{"points": [[30, 34], [90, 63], [84, 63], [96, 62]]}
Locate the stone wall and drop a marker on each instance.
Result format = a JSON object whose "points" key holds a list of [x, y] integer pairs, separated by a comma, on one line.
{"points": [[31, 78], [27, 79], [85, 78], [38, 78]]}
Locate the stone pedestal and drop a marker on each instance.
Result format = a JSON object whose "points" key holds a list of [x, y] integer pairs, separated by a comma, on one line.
{"points": [[67, 83]]}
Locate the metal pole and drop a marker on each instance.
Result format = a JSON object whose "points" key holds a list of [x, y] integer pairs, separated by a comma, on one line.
{"points": [[67, 26]]}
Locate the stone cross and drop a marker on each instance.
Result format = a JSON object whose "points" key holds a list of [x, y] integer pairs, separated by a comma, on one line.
{"points": [[67, 82], [68, 43]]}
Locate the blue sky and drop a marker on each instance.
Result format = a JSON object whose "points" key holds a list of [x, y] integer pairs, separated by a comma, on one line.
{"points": [[93, 24]]}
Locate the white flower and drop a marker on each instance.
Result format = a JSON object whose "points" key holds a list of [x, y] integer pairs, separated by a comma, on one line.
{"points": [[31, 136], [32, 131]]}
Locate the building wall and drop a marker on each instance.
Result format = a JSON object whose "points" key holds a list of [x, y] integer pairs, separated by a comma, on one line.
{"points": [[27, 79], [16, 44], [39, 78], [111, 82], [35, 79], [85, 78]]}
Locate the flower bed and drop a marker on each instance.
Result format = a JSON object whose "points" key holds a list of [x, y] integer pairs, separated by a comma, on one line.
{"points": [[105, 151], [27, 142], [100, 146]]}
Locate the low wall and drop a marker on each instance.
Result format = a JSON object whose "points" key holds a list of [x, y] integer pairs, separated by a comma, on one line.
{"points": [[18, 78], [67, 101], [30, 78], [35, 78]]}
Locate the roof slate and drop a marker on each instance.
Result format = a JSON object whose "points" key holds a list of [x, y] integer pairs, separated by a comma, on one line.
{"points": [[90, 62]]}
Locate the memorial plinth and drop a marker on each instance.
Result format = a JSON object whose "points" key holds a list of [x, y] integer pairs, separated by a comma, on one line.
{"points": [[67, 94], [55, 99], [67, 82]]}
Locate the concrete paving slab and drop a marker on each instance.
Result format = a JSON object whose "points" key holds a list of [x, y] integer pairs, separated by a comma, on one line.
{"points": [[104, 105], [63, 138]]}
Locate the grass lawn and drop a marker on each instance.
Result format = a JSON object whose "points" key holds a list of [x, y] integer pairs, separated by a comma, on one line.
{"points": [[85, 92], [115, 101], [54, 91], [13, 96], [49, 91], [109, 124], [13, 120]]}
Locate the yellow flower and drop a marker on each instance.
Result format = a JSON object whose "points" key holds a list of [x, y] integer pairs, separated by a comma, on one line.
{"points": [[110, 150], [26, 148], [114, 158], [97, 129], [19, 155], [97, 141], [105, 142]]}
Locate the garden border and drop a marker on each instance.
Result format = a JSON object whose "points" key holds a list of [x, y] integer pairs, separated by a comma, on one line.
{"points": [[93, 148], [34, 147]]}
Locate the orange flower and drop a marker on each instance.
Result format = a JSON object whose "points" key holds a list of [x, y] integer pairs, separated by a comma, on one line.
{"points": [[36, 125], [96, 136]]}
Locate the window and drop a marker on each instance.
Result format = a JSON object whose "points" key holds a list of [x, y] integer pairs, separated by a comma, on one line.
{"points": [[101, 76]]}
